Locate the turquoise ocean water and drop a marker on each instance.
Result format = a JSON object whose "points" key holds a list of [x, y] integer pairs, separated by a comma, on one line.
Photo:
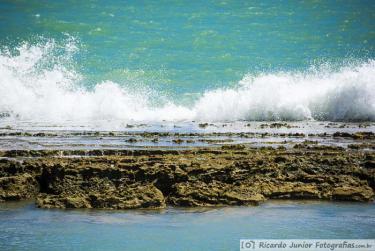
{"points": [[65, 63], [187, 60]]}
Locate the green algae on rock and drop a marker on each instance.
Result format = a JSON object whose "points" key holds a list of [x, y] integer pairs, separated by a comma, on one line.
{"points": [[230, 175]]}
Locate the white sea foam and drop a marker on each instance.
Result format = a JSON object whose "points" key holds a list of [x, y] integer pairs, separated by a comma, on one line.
{"points": [[38, 85], [346, 94]]}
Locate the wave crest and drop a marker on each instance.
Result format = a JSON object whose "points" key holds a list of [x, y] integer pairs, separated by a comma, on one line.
{"points": [[347, 94], [36, 84]]}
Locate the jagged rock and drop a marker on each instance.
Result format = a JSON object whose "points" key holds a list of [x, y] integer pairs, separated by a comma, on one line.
{"points": [[18, 187], [363, 193], [152, 178], [56, 201], [290, 190], [147, 196]]}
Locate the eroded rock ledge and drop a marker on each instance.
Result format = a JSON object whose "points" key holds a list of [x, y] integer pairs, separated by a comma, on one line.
{"points": [[231, 175]]}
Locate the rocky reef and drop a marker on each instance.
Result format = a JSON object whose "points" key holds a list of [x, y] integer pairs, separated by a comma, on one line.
{"points": [[214, 176]]}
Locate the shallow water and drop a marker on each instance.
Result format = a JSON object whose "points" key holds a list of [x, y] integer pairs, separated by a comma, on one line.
{"points": [[22, 226], [33, 136]]}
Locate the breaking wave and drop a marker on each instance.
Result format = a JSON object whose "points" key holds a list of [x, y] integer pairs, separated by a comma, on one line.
{"points": [[36, 84]]}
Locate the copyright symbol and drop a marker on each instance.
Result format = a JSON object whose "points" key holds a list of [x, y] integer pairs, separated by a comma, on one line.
{"points": [[248, 245]]}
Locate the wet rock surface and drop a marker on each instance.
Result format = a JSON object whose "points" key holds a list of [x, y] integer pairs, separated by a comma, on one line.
{"points": [[214, 176], [188, 135]]}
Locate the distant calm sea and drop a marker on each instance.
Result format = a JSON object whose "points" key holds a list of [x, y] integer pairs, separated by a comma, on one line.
{"points": [[83, 61]]}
